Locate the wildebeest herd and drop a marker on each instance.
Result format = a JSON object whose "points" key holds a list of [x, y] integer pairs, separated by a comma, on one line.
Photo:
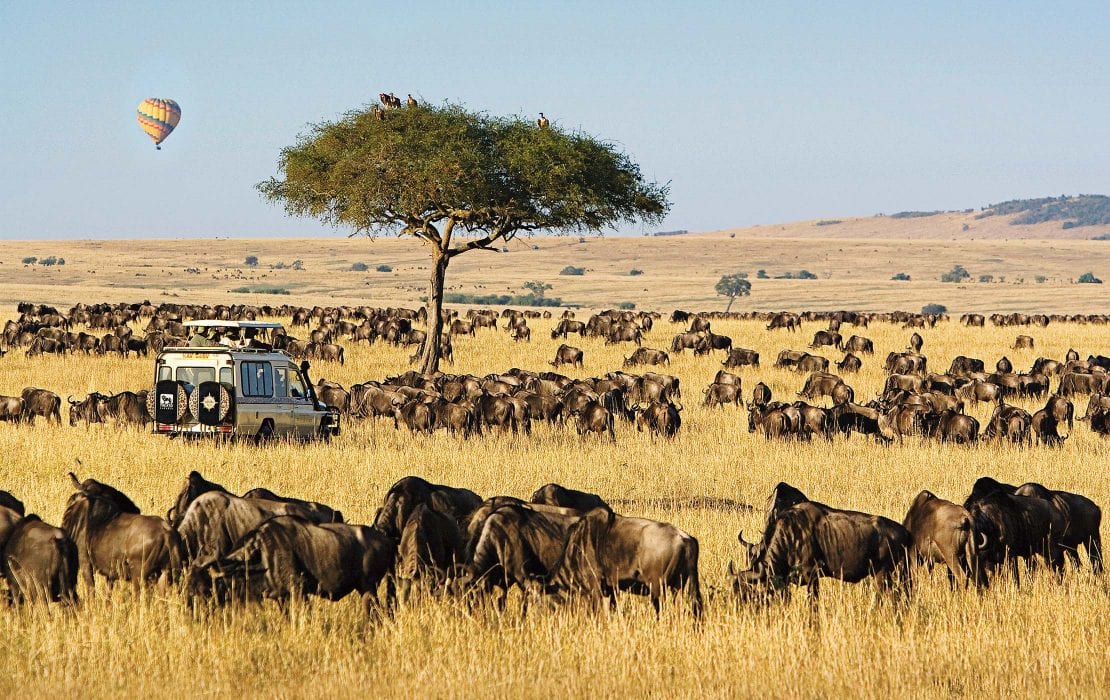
{"points": [[914, 401], [560, 545]]}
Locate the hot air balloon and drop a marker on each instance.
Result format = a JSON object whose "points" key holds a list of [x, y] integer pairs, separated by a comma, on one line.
{"points": [[158, 117]]}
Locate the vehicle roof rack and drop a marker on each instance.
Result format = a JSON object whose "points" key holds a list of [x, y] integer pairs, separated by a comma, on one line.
{"points": [[213, 323]]}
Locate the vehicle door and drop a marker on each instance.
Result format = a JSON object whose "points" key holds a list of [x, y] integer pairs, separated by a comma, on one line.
{"points": [[257, 402], [303, 408]]}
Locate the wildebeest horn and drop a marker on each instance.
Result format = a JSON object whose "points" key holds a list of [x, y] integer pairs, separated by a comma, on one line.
{"points": [[731, 568], [740, 536], [71, 400], [73, 478], [983, 544]]}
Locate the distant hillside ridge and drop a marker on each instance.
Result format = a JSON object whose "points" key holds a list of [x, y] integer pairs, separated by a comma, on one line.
{"points": [[1074, 211]]}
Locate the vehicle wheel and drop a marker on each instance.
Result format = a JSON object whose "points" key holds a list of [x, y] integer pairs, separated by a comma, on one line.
{"points": [[265, 432]]}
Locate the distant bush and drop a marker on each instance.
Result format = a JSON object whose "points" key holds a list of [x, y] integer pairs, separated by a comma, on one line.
{"points": [[901, 277], [914, 214], [956, 274], [251, 261], [359, 267], [635, 273], [761, 274], [966, 227], [934, 309], [1088, 278], [1080, 210], [261, 290], [30, 260], [49, 261], [297, 265], [384, 268], [800, 275], [1102, 237], [1041, 279], [986, 278], [572, 270], [828, 222], [626, 305]]}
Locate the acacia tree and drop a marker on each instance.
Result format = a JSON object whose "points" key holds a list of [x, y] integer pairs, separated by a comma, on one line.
{"points": [[457, 181], [733, 286]]}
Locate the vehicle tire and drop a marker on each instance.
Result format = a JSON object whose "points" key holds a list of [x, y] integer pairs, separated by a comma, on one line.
{"points": [[265, 432], [210, 403], [171, 402]]}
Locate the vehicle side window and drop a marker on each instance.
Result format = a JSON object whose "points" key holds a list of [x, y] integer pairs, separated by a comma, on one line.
{"points": [[164, 372], [296, 386], [281, 386], [257, 379], [226, 375]]}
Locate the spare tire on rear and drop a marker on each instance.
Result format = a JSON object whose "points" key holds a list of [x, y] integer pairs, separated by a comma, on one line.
{"points": [[171, 401], [210, 403]]}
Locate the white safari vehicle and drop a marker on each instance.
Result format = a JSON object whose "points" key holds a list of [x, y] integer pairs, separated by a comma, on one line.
{"points": [[220, 384]]}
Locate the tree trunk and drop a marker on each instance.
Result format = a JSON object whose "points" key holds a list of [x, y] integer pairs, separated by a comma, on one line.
{"points": [[730, 300], [432, 348]]}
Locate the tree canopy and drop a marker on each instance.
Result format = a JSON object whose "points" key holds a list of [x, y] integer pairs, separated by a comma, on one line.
{"points": [[732, 286], [458, 180]]}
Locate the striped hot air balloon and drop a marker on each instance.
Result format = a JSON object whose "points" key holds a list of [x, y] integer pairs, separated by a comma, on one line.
{"points": [[157, 118]]}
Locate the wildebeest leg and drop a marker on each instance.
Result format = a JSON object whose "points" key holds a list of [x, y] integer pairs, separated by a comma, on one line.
{"points": [[1094, 552]]}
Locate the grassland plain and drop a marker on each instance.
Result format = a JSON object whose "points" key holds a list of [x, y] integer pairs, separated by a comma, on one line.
{"points": [[1044, 639]]}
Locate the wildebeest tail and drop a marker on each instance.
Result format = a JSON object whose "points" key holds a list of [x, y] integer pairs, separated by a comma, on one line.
{"points": [[175, 556], [64, 585], [689, 564]]}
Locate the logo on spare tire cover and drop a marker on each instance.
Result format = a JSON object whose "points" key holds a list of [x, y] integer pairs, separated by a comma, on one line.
{"points": [[165, 401]]}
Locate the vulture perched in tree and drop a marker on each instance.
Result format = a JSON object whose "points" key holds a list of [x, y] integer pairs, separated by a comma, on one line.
{"points": [[411, 100], [543, 121]]}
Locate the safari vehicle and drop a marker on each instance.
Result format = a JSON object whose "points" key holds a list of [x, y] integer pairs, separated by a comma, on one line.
{"points": [[217, 387]]}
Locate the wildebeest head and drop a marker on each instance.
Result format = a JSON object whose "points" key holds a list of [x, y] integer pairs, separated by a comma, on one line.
{"points": [[86, 410], [195, 485]]}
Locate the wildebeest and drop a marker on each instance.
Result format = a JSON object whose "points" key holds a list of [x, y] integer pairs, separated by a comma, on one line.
{"points": [[943, 532], [1023, 342], [430, 549], [124, 408], [858, 343], [659, 418], [114, 539], [515, 545], [556, 495], [718, 394], [410, 491], [1014, 527], [605, 553], [318, 512], [286, 556], [41, 402], [647, 356], [39, 562], [1082, 521], [11, 409], [738, 357], [567, 355], [809, 540], [567, 326]]}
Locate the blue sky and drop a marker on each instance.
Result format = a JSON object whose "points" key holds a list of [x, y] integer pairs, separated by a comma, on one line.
{"points": [[755, 112]]}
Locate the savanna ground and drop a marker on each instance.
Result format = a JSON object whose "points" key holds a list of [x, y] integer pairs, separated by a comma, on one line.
{"points": [[1042, 639]]}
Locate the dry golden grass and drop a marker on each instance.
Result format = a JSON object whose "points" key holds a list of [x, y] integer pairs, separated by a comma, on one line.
{"points": [[853, 269], [1044, 639]]}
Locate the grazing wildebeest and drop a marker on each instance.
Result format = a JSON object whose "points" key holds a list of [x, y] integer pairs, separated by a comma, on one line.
{"points": [[556, 495], [11, 409], [962, 366], [605, 553], [711, 341], [658, 418], [1015, 527], [808, 541], [916, 342], [594, 417], [850, 363], [761, 394], [430, 549], [319, 513], [410, 491], [566, 326], [567, 355], [858, 343], [286, 556], [125, 408], [827, 339], [114, 539], [684, 341], [517, 545], [1082, 520], [39, 562], [943, 532], [721, 394], [647, 356], [41, 402], [1023, 342], [738, 357]]}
